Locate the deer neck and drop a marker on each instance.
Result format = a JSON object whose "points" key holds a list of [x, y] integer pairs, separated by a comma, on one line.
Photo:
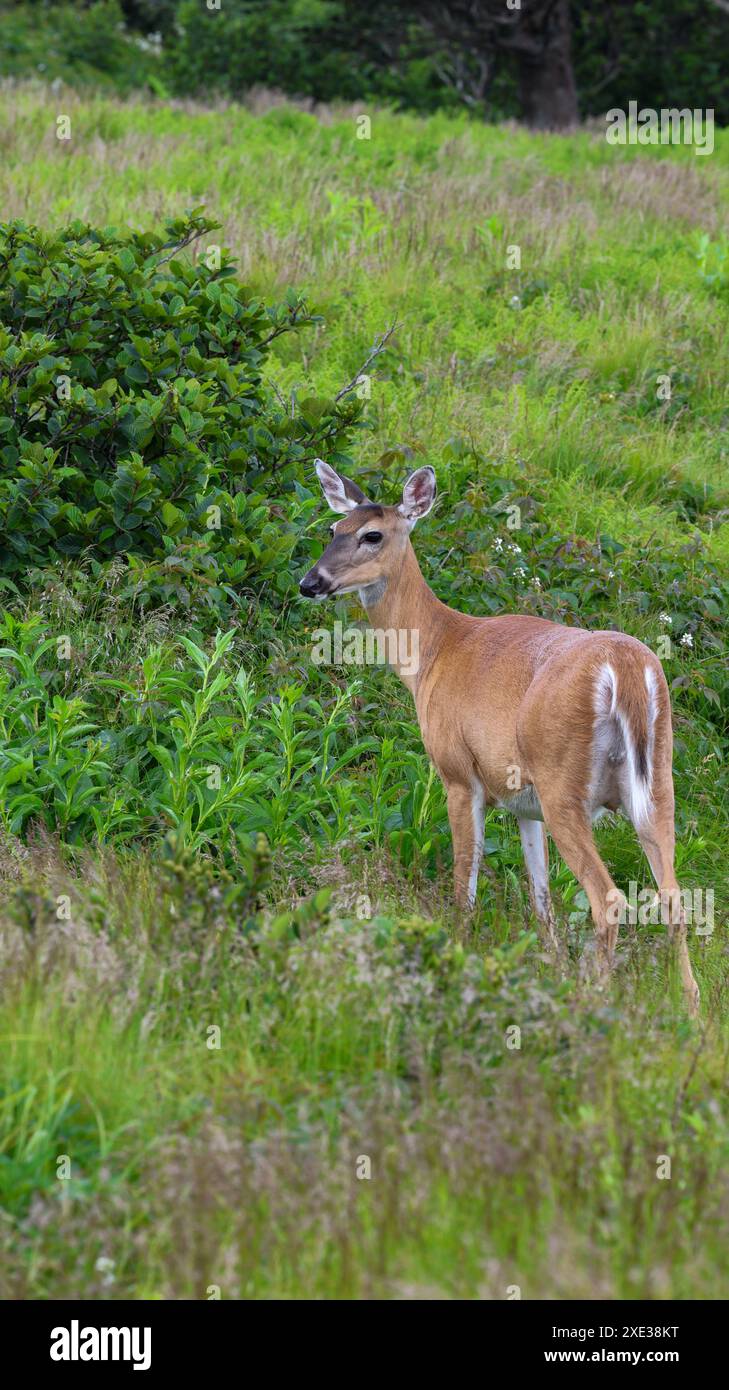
{"points": [[403, 606]]}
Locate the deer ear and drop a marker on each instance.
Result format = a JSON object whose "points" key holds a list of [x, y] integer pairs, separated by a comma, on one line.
{"points": [[341, 493], [418, 494]]}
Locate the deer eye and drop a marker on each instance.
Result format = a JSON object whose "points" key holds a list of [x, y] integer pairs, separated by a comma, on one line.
{"points": [[372, 537]]}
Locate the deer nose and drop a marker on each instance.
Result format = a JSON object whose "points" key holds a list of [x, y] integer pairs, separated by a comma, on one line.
{"points": [[311, 585]]}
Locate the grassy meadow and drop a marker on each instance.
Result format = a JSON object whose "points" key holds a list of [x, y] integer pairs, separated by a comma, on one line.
{"points": [[249, 1048]]}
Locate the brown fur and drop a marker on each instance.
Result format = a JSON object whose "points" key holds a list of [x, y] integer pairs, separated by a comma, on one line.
{"points": [[495, 694]]}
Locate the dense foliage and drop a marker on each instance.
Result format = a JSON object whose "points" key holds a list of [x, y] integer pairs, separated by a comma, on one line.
{"points": [[668, 55], [133, 417], [75, 44]]}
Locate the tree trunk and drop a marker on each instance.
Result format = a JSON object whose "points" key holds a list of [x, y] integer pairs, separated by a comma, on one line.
{"points": [[546, 78]]}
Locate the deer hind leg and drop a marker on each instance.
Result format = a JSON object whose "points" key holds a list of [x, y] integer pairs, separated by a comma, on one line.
{"points": [[536, 856], [658, 839], [466, 816], [570, 828]]}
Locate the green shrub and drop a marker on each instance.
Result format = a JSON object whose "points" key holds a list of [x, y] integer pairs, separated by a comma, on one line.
{"points": [[134, 420], [332, 50], [324, 49], [87, 47]]}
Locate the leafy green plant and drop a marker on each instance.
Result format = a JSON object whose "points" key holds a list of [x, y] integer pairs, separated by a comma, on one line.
{"points": [[712, 258], [187, 747], [353, 219], [133, 416]]}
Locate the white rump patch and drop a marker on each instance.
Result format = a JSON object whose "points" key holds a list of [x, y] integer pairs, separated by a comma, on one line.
{"points": [[606, 692], [614, 743]]}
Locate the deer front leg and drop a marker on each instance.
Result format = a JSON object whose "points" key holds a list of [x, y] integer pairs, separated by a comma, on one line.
{"points": [[466, 813]]}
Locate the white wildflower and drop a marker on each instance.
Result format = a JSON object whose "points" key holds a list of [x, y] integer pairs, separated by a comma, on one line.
{"points": [[106, 1267]]}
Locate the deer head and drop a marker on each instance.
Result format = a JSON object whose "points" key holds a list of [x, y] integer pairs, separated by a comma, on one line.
{"points": [[368, 545]]}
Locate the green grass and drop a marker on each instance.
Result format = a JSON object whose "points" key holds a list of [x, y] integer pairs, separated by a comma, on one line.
{"points": [[358, 1014]]}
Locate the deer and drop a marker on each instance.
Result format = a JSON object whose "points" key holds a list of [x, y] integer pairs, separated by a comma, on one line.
{"points": [[555, 724]]}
